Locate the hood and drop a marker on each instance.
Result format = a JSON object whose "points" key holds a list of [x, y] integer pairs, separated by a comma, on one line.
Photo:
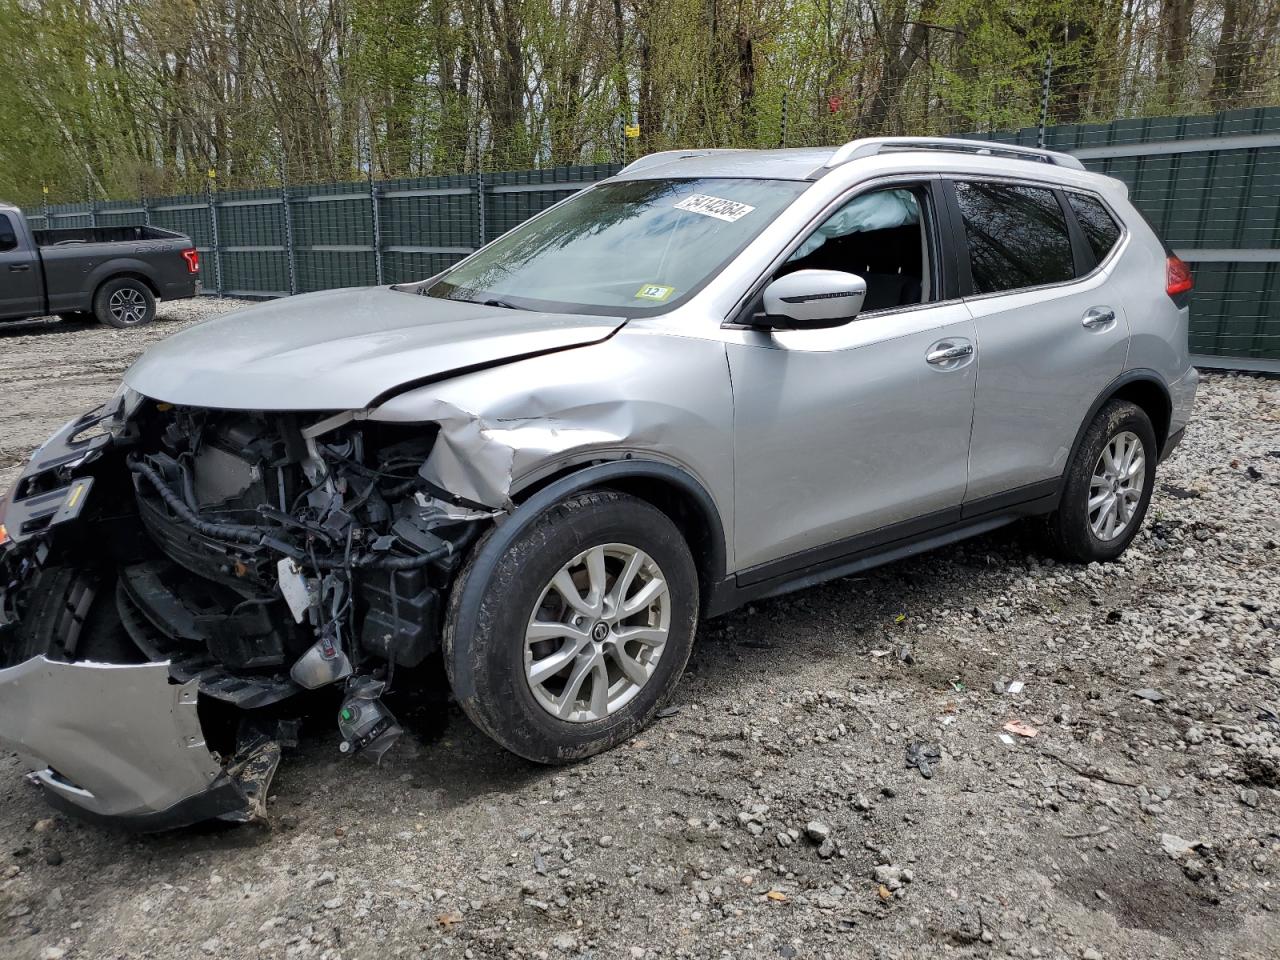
{"points": [[343, 349]]}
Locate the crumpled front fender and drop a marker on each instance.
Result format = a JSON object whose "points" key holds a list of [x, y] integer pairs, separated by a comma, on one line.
{"points": [[637, 394], [116, 742]]}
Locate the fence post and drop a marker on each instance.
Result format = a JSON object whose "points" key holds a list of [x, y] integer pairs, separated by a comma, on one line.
{"points": [[782, 140], [376, 219], [287, 212], [142, 202], [213, 230], [93, 207], [1044, 99], [480, 205], [44, 204]]}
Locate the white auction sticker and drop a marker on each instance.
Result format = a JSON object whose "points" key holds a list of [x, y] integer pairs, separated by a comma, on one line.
{"points": [[717, 207]]}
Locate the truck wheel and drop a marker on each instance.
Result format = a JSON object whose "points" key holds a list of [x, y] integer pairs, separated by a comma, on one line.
{"points": [[124, 302], [1108, 486], [578, 634]]}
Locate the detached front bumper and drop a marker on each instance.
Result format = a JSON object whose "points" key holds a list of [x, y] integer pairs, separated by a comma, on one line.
{"points": [[123, 744]]}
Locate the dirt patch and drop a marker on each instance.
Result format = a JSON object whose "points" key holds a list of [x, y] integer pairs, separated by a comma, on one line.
{"points": [[1145, 892]]}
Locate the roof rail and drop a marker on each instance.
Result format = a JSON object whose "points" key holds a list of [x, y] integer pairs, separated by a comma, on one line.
{"points": [[871, 146]]}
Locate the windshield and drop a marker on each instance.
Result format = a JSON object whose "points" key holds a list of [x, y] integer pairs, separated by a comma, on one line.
{"points": [[627, 249]]}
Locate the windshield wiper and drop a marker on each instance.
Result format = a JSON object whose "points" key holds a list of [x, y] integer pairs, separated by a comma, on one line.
{"points": [[453, 295]]}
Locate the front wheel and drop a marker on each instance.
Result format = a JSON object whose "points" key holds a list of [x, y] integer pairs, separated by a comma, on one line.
{"points": [[580, 631], [1108, 486]]}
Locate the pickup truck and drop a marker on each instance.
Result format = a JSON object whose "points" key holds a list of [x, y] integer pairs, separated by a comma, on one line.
{"points": [[114, 274]]}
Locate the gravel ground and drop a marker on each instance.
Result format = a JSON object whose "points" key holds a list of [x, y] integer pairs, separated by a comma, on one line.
{"points": [[773, 813]]}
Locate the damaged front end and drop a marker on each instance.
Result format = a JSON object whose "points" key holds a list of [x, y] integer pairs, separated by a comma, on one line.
{"points": [[179, 585]]}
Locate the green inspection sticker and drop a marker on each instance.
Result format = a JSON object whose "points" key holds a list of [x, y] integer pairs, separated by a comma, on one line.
{"points": [[654, 291]]}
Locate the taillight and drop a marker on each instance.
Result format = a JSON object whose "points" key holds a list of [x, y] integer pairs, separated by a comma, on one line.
{"points": [[1178, 277], [192, 256]]}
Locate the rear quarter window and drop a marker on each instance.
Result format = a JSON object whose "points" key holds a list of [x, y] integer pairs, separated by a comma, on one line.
{"points": [[1099, 227]]}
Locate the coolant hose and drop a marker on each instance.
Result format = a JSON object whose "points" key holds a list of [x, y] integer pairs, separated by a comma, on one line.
{"points": [[238, 532], [408, 563]]}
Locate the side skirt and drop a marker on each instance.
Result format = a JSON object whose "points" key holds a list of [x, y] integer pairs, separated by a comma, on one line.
{"points": [[878, 547]]}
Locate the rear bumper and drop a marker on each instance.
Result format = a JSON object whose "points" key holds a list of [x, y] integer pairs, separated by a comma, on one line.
{"points": [[180, 289], [117, 743], [1182, 396], [1171, 444]]}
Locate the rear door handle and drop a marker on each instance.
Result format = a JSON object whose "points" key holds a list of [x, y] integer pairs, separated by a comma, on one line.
{"points": [[1096, 317], [945, 354], [19, 267]]}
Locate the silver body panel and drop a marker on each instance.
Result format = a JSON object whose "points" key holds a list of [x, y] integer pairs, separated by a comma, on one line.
{"points": [[1039, 371], [117, 741], [842, 431], [341, 349], [641, 391]]}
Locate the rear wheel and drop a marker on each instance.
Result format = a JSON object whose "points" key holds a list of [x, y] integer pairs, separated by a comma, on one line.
{"points": [[124, 302], [1108, 486], [580, 631]]}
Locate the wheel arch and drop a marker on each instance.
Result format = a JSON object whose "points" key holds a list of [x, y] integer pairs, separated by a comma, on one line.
{"points": [[1143, 387], [674, 491], [125, 273]]}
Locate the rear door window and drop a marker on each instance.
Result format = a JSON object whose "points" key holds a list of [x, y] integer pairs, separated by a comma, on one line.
{"points": [[1099, 227], [1017, 236]]}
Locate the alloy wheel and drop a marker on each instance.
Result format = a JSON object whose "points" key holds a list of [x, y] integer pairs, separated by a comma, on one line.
{"points": [[597, 633], [1115, 489], [127, 306]]}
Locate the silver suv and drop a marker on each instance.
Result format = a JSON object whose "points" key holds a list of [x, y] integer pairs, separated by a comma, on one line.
{"points": [[715, 377]]}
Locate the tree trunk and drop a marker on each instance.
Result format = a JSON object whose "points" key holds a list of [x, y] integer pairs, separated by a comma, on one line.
{"points": [[1230, 58], [1175, 22], [900, 50]]}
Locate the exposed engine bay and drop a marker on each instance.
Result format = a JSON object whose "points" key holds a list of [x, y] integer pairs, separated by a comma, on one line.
{"points": [[228, 563]]}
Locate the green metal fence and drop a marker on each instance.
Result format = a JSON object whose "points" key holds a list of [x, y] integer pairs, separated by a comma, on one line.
{"points": [[1210, 185]]}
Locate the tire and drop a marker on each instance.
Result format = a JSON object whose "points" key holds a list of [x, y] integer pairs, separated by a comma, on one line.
{"points": [[71, 616], [1083, 535], [490, 659], [124, 303], [77, 316]]}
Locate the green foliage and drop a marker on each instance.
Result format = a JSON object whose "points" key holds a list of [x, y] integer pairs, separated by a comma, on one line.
{"points": [[113, 97]]}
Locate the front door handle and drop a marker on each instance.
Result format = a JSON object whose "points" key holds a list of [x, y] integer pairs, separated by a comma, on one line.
{"points": [[945, 354], [1096, 317], [19, 267]]}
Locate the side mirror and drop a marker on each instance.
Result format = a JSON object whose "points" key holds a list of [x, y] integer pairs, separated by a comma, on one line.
{"points": [[813, 299]]}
